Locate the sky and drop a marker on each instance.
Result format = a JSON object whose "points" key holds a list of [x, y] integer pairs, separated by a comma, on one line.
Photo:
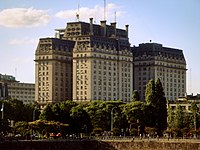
{"points": [[172, 23]]}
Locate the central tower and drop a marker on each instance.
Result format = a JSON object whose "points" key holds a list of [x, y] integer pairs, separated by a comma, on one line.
{"points": [[102, 61]]}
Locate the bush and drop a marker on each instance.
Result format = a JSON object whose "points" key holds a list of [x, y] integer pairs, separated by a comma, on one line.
{"points": [[97, 131], [116, 131], [133, 132]]}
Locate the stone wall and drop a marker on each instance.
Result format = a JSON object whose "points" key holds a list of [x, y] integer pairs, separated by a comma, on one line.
{"points": [[98, 145]]}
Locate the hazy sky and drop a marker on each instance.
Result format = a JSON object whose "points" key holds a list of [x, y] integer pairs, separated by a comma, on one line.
{"points": [[173, 23]]}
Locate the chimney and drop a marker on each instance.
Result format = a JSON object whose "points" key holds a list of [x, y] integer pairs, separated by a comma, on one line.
{"points": [[91, 26], [127, 30], [103, 25], [113, 24]]}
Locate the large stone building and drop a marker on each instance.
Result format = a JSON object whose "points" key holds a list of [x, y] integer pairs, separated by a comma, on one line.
{"points": [[12, 89], [152, 61], [98, 57], [53, 70]]}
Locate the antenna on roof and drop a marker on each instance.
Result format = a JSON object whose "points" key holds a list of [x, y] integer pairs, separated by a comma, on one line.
{"points": [[115, 16], [77, 14], [190, 88], [104, 9], [15, 73]]}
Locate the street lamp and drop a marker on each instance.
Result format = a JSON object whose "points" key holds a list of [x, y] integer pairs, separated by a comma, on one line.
{"points": [[85, 126], [2, 110], [34, 114], [111, 124]]}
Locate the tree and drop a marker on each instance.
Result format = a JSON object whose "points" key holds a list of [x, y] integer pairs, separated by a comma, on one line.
{"points": [[81, 119], [170, 118], [179, 117], [150, 93], [22, 128], [56, 112], [155, 97], [136, 96], [98, 111], [47, 113], [161, 106], [65, 108]]}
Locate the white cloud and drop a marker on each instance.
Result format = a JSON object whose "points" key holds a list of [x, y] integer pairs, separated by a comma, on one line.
{"points": [[97, 12], [23, 41], [23, 17]]}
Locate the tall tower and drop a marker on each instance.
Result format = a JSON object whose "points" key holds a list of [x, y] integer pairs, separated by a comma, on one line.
{"points": [[53, 71], [102, 61]]}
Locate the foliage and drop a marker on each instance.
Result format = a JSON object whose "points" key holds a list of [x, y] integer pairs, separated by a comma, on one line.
{"points": [[4, 126], [47, 113], [97, 131], [179, 117], [155, 97], [22, 128], [135, 96], [170, 118], [150, 93], [81, 119], [116, 131], [151, 131], [133, 111], [98, 111], [133, 132], [16, 111]]}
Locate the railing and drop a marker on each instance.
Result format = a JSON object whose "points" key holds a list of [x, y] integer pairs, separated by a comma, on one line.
{"points": [[131, 138]]}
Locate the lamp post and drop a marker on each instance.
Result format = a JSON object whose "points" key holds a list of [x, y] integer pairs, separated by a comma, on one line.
{"points": [[34, 115], [111, 124], [85, 126], [2, 111]]}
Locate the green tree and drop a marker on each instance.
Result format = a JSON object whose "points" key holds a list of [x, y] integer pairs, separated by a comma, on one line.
{"points": [[47, 113], [56, 112], [81, 119], [179, 117], [155, 97], [161, 106], [195, 115], [99, 111], [170, 118], [150, 93], [65, 108], [4, 127], [21, 127], [136, 96], [149, 116]]}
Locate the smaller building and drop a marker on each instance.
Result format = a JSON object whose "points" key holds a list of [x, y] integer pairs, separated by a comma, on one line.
{"points": [[22, 91], [10, 88], [185, 102], [3, 90]]}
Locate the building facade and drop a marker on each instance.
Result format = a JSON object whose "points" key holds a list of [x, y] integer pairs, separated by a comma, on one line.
{"points": [[4, 80], [24, 92], [100, 63], [53, 70], [185, 102], [12, 89], [153, 61], [3, 90]]}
